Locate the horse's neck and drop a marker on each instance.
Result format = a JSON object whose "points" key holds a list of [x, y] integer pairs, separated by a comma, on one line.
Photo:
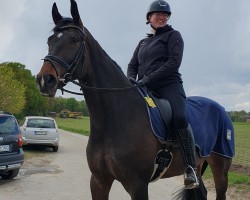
{"points": [[106, 103], [103, 72]]}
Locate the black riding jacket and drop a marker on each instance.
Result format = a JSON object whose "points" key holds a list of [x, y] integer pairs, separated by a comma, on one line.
{"points": [[158, 57]]}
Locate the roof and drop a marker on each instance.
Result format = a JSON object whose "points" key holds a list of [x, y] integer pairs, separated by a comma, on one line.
{"points": [[5, 113], [39, 117]]}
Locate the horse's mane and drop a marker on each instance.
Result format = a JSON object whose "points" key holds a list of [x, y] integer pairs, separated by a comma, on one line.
{"points": [[89, 35]]}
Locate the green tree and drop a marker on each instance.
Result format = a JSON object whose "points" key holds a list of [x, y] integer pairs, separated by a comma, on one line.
{"points": [[84, 108], [35, 103], [12, 91], [238, 116], [72, 104], [59, 104]]}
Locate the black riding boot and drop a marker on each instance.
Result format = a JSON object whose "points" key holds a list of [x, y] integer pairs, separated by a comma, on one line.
{"points": [[187, 147]]}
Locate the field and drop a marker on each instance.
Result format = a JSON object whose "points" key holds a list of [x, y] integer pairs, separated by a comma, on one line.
{"points": [[242, 143], [239, 172], [78, 125]]}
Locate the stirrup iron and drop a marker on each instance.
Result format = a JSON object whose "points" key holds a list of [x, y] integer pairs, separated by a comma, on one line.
{"points": [[194, 184]]}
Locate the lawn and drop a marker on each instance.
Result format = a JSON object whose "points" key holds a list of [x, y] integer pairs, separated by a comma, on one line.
{"points": [[242, 143], [78, 125]]}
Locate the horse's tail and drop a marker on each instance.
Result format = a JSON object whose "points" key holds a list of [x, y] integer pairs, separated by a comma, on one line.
{"points": [[204, 167]]}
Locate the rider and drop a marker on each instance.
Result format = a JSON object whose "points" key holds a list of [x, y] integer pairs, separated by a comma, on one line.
{"points": [[156, 61]]}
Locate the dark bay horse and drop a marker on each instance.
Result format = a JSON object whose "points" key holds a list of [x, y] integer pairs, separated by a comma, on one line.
{"points": [[121, 144]]}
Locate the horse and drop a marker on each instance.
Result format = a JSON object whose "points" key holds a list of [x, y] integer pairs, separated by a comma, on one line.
{"points": [[121, 144]]}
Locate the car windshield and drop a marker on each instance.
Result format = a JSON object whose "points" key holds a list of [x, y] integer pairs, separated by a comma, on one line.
{"points": [[8, 125], [41, 123]]}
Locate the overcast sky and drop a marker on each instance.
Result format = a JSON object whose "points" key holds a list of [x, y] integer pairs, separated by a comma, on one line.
{"points": [[216, 33]]}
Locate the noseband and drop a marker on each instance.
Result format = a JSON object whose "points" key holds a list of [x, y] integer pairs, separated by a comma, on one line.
{"points": [[70, 68]]}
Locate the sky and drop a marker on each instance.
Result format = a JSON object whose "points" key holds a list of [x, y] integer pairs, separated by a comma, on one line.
{"points": [[216, 33]]}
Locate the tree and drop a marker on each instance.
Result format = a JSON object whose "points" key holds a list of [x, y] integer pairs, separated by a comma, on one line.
{"points": [[15, 74], [84, 108], [35, 103], [12, 91], [58, 105], [238, 116], [72, 104]]}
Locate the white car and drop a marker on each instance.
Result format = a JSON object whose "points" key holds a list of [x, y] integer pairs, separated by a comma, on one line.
{"points": [[42, 131]]}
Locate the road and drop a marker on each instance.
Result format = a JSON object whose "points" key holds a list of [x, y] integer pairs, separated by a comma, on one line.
{"points": [[65, 175]]}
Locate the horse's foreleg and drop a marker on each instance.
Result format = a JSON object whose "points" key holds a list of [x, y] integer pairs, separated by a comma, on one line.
{"points": [[100, 187]]}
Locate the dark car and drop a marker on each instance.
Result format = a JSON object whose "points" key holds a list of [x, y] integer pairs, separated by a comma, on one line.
{"points": [[11, 152]]}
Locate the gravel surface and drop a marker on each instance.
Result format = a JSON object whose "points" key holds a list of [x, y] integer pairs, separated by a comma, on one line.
{"points": [[65, 175]]}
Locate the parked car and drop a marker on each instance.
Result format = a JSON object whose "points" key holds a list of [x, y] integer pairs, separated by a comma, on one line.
{"points": [[11, 152], [42, 131]]}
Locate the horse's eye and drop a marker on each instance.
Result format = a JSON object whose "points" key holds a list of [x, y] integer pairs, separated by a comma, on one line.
{"points": [[49, 39], [75, 40]]}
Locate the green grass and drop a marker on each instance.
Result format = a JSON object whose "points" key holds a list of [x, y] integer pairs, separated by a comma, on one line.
{"points": [[242, 144], [234, 178], [79, 125]]}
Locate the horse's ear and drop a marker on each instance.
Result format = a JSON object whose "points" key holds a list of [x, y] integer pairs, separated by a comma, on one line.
{"points": [[55, 14], [75, 14]]}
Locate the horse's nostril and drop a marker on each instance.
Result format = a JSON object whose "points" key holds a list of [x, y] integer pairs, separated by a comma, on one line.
{"points": [[49, 81]]}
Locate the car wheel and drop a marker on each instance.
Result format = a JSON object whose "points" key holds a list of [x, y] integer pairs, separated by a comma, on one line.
{"points": [[10, 174], [55, 149]]}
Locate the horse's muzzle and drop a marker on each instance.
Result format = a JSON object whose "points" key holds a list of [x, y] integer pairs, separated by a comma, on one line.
{"points": [[47, 84]]}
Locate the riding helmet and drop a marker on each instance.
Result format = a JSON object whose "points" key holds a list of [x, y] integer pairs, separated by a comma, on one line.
{"points": [[158, 6]]}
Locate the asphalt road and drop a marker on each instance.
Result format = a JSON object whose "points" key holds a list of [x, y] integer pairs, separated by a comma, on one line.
{"points": [[65, 175]]}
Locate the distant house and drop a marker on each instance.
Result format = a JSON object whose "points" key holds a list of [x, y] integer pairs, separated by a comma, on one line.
{"points": [[248, 119]]}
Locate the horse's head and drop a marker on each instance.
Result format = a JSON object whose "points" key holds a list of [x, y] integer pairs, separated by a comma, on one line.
{"points": [[65, 52]]}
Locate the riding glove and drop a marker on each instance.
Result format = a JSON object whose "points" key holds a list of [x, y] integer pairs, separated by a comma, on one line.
{"points": [[144, 81]]}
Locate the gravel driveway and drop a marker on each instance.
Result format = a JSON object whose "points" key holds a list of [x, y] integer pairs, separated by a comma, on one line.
{"points": [[65, 175]]}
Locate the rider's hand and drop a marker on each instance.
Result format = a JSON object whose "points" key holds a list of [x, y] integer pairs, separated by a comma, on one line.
{"points": [[144, 81]]}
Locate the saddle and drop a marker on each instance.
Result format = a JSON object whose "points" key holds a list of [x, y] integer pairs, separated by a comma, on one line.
{"points": [[160, 114], [164, 108]]}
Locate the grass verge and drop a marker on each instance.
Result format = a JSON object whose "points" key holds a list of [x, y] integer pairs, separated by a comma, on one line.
{"points": [[78, 125]]}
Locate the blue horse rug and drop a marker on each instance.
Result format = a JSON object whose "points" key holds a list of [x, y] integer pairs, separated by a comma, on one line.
{"points": [[212, 128]]}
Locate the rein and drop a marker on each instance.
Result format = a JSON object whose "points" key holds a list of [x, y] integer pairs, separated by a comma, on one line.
{"points": [[85, 87]]}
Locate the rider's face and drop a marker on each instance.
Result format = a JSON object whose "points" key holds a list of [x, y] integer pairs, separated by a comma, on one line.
{"points": [[158, 19]]}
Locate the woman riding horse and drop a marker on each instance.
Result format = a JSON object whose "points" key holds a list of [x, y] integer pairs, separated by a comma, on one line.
{"points": [[156, 61]]}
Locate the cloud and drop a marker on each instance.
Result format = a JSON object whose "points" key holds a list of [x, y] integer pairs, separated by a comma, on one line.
{"points": [[216, 34], [241, 106], [232, 96], [10, 12]]}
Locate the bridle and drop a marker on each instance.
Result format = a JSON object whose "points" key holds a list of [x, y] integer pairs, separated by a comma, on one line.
{"points": [[70, 68]]}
